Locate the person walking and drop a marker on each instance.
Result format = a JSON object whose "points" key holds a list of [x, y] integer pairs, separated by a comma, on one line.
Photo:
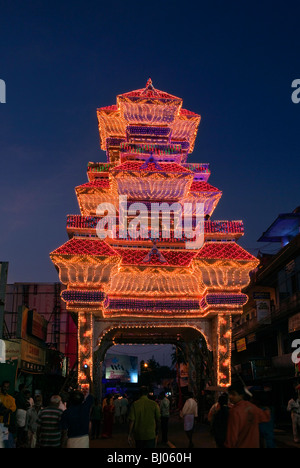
{"points": [[108, 417], [164, 416], [49, 433], [7, 408], [294, 408], [262, 399], [124, 408], [244, 419], [96, 416], [144, 419], [31, 421], [218, 418], [23, 404], [189, 413], [75, 421], [117, 405]]}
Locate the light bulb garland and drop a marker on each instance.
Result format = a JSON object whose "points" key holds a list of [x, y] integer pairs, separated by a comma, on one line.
{"points": [[147, 136]]}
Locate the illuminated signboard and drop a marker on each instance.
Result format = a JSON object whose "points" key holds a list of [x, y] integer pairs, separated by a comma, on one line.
{"points": [[123, 368]]}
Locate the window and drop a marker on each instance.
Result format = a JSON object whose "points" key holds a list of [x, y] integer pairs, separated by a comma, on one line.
{"points": [[289, 279]]}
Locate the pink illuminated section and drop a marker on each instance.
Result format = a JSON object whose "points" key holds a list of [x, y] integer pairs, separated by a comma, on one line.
{"points": [[224, 250], [83, 247], [147, 137]]}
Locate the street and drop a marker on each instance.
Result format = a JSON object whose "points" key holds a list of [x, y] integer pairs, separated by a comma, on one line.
{"points": [[178, 439]]}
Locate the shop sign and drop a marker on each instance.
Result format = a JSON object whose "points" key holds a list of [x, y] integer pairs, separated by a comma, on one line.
{"points": [[263, 308], [241, 345], [261, 295], [36, 325], [32, 354], [12, 350]]}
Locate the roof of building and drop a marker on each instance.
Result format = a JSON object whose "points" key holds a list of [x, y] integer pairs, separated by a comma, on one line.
{"points": [[202, 186], [153, 166], [162, 257], [95, 183], [224, 250], [149, 92], [286, 226], [85, 247]]}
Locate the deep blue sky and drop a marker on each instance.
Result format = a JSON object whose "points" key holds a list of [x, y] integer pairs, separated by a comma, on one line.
{"points": [[232, 62]]}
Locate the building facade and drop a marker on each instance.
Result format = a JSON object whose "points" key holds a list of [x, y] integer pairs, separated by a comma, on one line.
{"points": [[265, 336], [50, 323]]}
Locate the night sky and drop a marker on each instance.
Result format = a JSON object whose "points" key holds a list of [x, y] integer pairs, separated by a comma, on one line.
{"points": [[232, 62]]}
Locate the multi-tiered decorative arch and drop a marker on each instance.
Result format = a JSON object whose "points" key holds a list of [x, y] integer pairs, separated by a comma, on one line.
{"points": [[120, 284]]}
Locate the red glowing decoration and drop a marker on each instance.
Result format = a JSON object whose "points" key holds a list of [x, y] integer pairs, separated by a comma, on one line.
{"points": [[147, 137]]}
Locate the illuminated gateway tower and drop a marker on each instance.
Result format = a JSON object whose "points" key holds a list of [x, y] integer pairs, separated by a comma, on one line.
{"points": [[152, 289]]}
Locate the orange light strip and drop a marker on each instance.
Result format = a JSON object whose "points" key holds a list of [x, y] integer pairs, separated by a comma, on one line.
{"points": [[224, 333], [85, 347]]}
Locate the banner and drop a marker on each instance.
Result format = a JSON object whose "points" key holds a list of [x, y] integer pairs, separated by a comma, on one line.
{"points": [[263, 308], [184, 375], [121, 367], [2, 351]]}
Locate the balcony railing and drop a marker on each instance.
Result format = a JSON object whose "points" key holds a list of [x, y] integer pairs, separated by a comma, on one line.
{"points": [[231, 228]]}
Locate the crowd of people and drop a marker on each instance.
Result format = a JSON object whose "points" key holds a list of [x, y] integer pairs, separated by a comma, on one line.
{"points": [[242, 420], [26, 423], [71, 420]]}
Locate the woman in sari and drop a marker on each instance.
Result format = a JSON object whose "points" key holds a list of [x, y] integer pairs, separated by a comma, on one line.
{"points": [[108, 418]]}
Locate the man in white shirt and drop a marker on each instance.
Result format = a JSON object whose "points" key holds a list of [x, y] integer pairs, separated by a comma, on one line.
{"points": [[189, 412], [164, 417], [294, 408]]}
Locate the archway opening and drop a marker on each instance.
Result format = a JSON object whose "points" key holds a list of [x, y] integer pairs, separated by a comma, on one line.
{"points": [[186, 342]]}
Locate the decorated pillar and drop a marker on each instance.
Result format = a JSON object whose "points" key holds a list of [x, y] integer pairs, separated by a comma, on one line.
{"points": [[97, 374], [85, 347], [222, 349], [194, 367], [192, 361]]}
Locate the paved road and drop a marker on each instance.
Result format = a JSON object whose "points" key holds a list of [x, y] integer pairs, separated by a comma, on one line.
{"points": [[178, 439]]}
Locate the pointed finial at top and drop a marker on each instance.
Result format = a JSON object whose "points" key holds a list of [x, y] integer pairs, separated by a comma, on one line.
{"points": [[149, 90], [149, 83]]}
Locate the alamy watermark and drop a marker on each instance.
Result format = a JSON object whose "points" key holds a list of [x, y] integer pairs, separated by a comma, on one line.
{"points": [[136, 221], [295, 96], [2, 92], [296, 353]]}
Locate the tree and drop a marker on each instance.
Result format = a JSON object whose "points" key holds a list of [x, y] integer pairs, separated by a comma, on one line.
{"points": [[178, 356], [153, 373]]}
